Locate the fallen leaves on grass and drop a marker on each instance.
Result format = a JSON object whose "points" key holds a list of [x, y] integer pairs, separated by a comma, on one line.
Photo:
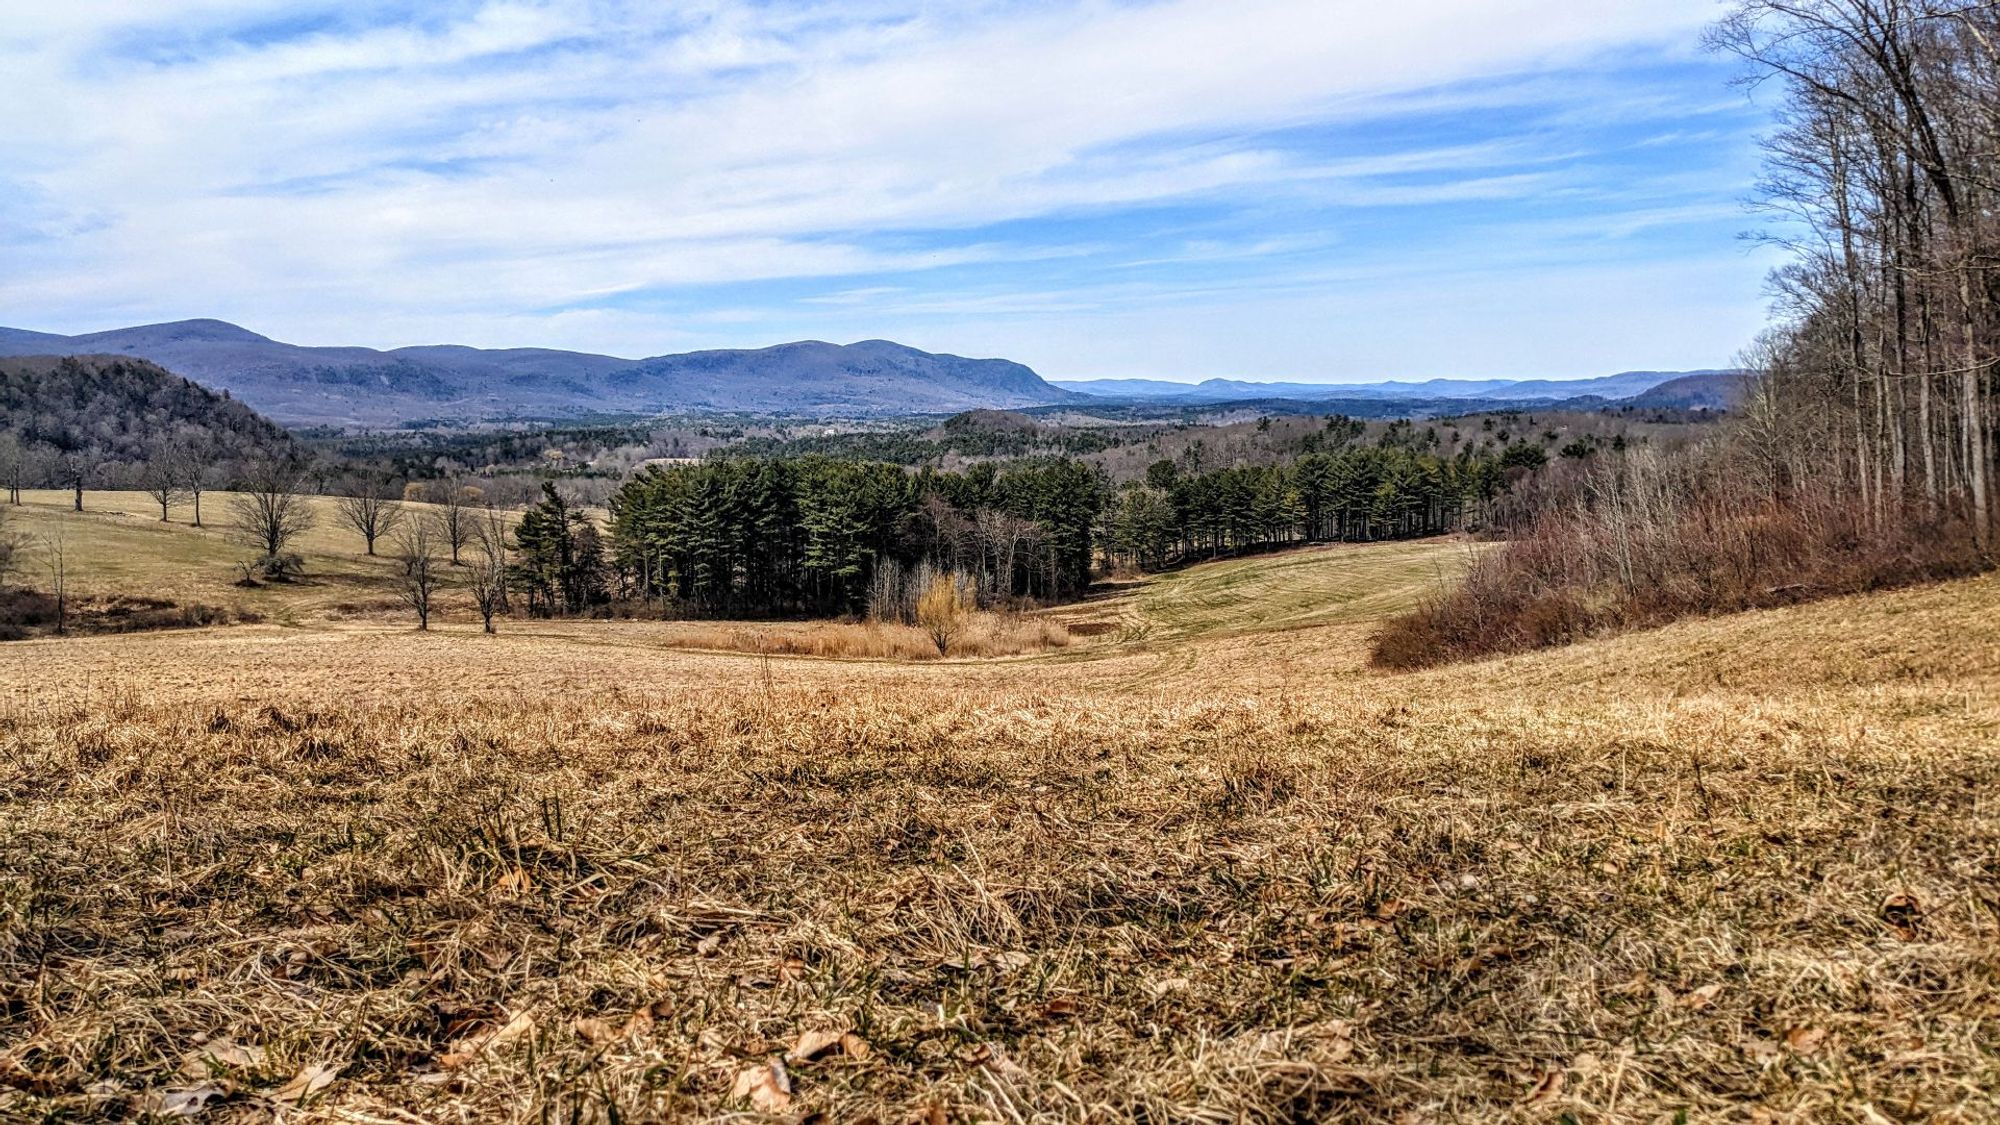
{"points": [[305, 1084], [471, 1047], [767, 1087]]}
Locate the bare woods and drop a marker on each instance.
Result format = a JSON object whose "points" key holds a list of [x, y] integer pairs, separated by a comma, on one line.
{"points": [[1866, 454]]}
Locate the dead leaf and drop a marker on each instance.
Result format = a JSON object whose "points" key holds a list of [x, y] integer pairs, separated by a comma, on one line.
{"points": [[994, 1059], [305, 1084], [1549, 1087], [472, 1046], [813, 1044], [1701, 997], [1905, 915], [515, 882], [595, 1030], [221, 1054], [1805, 1040], [188, 1102], [767, 1087]]}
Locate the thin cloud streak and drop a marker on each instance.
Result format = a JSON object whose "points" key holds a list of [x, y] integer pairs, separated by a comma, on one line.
{"points": [[523, 169]]}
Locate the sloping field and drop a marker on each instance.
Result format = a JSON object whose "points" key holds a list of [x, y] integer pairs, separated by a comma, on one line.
{"points": [[1295, 589], [1740, 869], [119, 545]]}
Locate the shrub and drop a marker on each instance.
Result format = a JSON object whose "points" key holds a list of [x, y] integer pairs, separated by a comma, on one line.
{"points": [[1651, 538]]}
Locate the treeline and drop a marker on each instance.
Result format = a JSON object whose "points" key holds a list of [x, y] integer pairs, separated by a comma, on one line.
{"points": [[1356, 495], [1864, 457], [808, 535], [1887, 172], [816, 535]]}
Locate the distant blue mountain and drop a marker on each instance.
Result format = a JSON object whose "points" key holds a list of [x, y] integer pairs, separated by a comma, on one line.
{"points": [[362, 386], [1610, 387]]}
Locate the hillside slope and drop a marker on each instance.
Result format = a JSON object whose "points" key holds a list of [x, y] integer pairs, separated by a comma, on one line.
{"points": [[361, 386], [1733, 869], [112, 411]]}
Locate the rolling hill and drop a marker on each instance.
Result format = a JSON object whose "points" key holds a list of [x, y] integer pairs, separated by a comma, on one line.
{"points": [[361, 386], [112, 410]]}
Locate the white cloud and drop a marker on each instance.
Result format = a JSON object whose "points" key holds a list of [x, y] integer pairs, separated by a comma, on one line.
{"points": [[375, 176]]}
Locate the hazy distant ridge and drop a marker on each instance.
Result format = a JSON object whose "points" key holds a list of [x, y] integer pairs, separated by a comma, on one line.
{"points": [[345, 385], [1627, 385]]}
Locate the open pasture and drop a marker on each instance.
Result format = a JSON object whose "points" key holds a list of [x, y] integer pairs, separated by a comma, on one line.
{"points": [[1732, 868]]}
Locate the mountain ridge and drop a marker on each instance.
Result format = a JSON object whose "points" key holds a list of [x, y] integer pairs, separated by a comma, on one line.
{"points": [[1622, 386], [311, 385]]}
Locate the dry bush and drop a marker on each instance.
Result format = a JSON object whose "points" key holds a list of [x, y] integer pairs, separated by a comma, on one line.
{"points": [[27, 613], [1651, 539]]}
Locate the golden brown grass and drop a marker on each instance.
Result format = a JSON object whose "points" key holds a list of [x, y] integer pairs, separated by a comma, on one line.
{"points": [[1731, 868], [986, 635]]}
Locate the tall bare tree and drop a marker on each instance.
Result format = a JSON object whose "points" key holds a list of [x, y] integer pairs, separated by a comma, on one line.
{"points": [[13, 466], [455, 517], [488, 578], [55, 562], [370, 513], [162, 477], [272, 511], [419, 573], [191, 465], [1886, 175]]}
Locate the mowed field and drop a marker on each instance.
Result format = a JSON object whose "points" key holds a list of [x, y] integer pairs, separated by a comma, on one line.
{"points": [[1200, 865]]}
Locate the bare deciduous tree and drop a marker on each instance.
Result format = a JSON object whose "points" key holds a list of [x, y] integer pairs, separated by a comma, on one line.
{"points": [[55, 561], [370, 513], [191, 467], [1885, 176], [13, 466], [418, 575], [489, 570], [272, 511], [162, 475], [943, 610], [73, 470], [455, 519]]}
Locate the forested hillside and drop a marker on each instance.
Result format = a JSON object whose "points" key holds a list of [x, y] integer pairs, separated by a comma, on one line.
{"points": [[110, 422]]}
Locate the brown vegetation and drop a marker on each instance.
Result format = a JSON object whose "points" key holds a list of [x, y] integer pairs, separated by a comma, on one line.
{"points": [[974, 635], [1651, 539], [391, 877]]}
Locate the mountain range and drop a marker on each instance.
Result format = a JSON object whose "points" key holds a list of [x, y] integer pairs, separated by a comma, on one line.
{"points": [[1628, 385], [364, 387], [353, 386]]}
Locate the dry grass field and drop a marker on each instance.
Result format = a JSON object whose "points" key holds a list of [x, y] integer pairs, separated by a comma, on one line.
{"points": [[1201, 865]]}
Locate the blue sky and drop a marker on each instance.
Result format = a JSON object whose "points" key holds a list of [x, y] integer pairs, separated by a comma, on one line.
{"points": [[1315, 190]]}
